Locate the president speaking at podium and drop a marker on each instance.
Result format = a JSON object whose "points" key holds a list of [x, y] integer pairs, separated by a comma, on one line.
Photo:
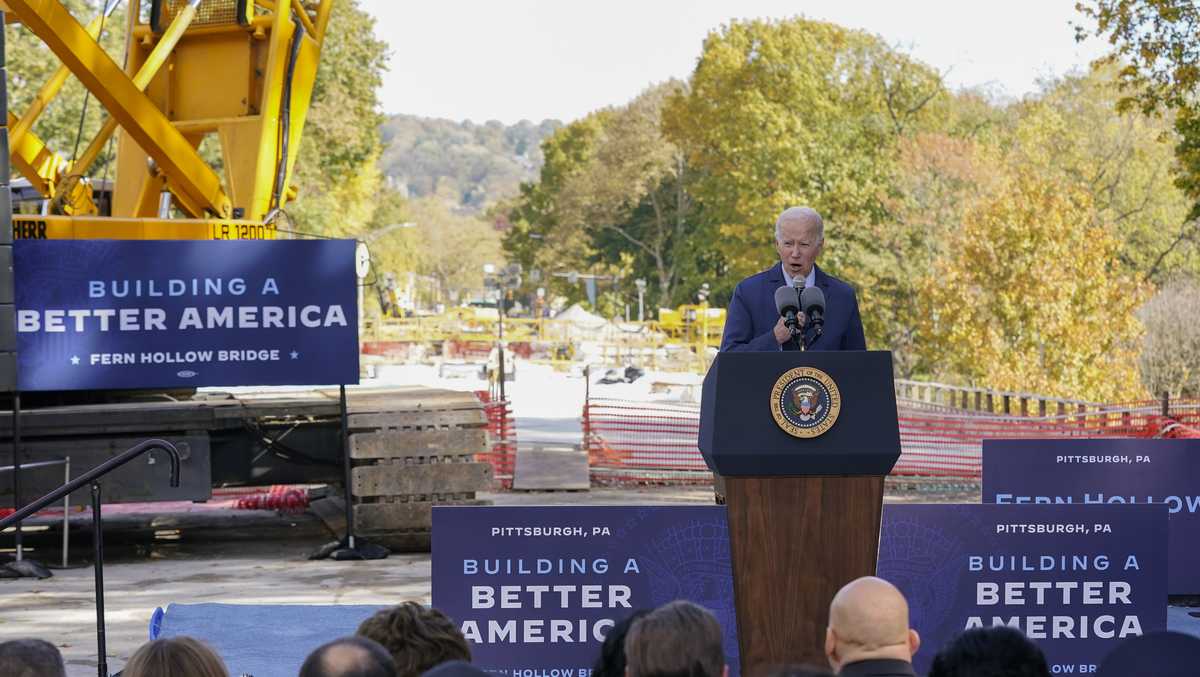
{"points": [[820, 314]]}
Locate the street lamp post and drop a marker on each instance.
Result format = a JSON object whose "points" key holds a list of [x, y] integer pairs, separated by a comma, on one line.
{"points": [[641, 287]]}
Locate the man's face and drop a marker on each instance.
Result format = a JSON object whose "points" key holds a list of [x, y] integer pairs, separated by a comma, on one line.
{"points": [[798, 246]]}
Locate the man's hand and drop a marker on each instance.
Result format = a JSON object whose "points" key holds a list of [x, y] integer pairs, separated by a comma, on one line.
{"points": [[782, 333]]}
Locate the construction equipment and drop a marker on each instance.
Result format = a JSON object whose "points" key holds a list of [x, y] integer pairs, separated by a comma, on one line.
{"points": [[242, 70]]}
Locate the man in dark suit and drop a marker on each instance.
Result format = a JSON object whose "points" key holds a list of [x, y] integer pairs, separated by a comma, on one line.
{"points": [[868, 633], [753, 323]]}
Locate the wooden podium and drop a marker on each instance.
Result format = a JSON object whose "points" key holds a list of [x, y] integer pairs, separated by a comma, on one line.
{"points": [[803, 513]]}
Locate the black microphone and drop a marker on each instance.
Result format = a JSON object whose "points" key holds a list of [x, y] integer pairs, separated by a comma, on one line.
{"points": [[788, 304], [812, 300]]}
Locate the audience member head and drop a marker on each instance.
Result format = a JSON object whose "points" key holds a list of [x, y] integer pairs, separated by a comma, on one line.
{"points": [[799, 671], [30, 658], [679, 639], [175, 657], [349, 657], [990, 652], [868, 620], [1162, 654], [611, 662], [418, 637]]}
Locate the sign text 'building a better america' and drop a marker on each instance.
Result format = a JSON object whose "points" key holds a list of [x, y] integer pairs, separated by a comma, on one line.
{"points": [[108, 314]]}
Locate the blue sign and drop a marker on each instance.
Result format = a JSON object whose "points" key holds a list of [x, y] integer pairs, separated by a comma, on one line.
{"points": [[535, 589], [1107, 471], [1076, 579], [111, 314]]}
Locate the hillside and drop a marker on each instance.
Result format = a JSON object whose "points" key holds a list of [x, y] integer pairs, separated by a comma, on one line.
{"points": [[470, 165]]}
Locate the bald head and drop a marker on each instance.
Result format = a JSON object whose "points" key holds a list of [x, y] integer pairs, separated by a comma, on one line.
{"points": [[349, 657], [805, 216], [868, 618]]}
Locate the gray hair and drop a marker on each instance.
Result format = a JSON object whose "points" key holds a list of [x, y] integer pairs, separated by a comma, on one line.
{"points": [[801, 214]]}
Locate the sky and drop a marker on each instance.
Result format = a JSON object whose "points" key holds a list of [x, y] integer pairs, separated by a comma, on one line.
{"points": [[537, 59]]}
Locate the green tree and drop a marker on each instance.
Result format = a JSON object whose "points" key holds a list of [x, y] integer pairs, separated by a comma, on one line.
{"points": [[336, 175], [1156, 48], [1033, 298], [31, 63], [784, 113], [1075, 132]]}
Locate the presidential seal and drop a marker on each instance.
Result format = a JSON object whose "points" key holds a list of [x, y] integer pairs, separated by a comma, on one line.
{"points": [[805, 402]]}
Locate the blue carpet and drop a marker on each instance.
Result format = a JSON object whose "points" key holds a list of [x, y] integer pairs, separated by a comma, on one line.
{"points": [[263, 640], [1180, 619]]}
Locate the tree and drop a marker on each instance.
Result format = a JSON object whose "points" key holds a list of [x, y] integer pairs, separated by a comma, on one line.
{"points": [[31, 63], [1156, 46], [1170, 357], [629, 197], [453, 247], [1123, 160], [336, 175], [1032, 297]]}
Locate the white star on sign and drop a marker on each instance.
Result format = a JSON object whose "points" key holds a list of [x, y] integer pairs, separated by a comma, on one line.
{"points": [[74, 359], [295, 354]]}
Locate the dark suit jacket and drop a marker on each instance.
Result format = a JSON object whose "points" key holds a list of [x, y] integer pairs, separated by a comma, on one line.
{"points": [[878, 668], [751, 318]]}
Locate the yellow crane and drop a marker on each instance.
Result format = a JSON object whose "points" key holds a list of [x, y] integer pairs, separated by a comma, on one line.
{"points": [[242, 70]]}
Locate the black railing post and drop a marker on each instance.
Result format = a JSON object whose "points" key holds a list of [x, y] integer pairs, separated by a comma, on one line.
{"points": [[16, 446], [98, 567], [347, 475], [92, 477]]}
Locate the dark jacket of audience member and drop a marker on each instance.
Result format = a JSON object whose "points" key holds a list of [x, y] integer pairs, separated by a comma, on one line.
{"points": [[611, 662], [990, 652], [418, 637], [175, 657], [349, 657], [679, 639], [799, 671], [456, 669], [30, 658]]}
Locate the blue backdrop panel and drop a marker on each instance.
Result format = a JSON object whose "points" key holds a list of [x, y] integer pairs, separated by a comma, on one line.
{"points": [[111, 314], [1075, 578], [1107, 471], [489, 564]]}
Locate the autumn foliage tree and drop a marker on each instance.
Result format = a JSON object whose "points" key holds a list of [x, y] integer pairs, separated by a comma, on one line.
{"points": [[1032, 298]]}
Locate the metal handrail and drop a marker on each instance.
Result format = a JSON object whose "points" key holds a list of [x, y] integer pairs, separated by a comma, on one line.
{"points": [[92, 477], [65, 462], [95, 474]]}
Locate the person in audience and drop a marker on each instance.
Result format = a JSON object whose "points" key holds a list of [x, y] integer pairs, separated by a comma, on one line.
{"points": [[30, 658], [799, 671], [611, 662], [1163, 654], [349, 657], [175, 657], [678, 638], [456, 669], [868, 633], [991, 652], [418, 637]]}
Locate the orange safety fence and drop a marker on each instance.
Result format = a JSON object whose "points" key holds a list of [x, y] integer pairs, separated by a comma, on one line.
{"points": [[656, 440], [502, 438]]}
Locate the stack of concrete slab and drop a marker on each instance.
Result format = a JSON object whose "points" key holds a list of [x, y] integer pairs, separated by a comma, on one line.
{"points": [[418, 454]]}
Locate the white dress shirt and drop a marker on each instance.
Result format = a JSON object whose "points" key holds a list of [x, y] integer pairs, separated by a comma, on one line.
{"points": [[809, 280]]}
